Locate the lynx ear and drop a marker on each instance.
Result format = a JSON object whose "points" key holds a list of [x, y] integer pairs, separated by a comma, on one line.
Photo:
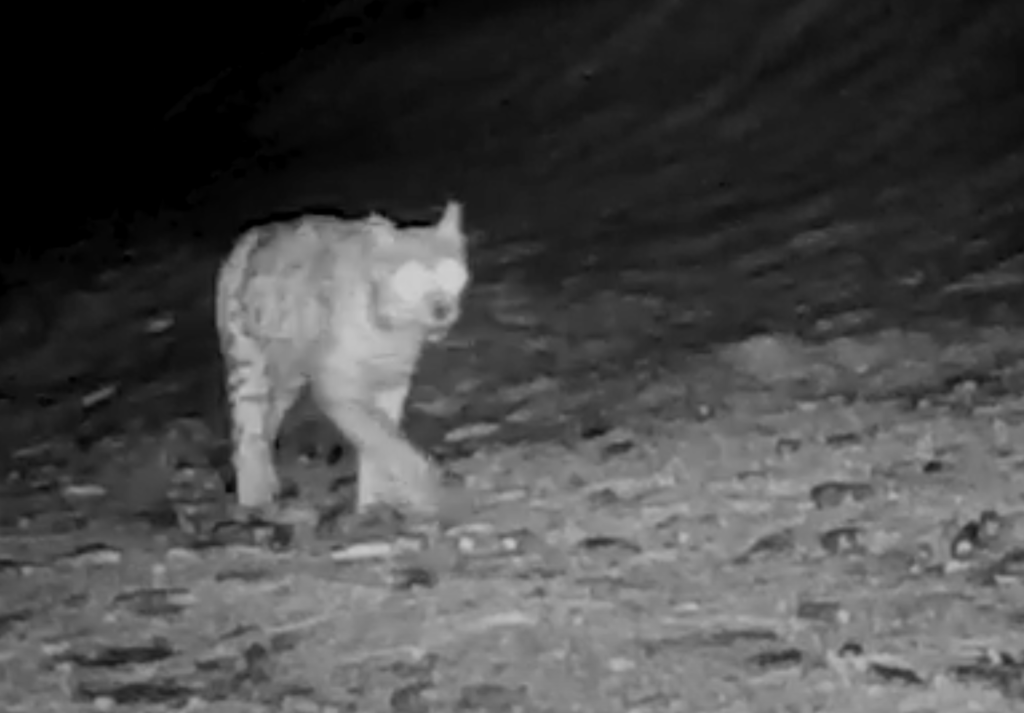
{"points": [[449, 226]]}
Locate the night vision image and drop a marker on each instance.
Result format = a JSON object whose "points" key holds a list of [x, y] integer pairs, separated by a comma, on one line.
{"points": [[441, 356]]}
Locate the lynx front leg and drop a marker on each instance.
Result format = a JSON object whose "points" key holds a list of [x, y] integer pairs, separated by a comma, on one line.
{"points": [[391, 470], [403, 478], [407, 476], [375, 486]]}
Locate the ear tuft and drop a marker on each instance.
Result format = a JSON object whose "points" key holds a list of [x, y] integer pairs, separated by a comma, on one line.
{"points": [[450, 224]]}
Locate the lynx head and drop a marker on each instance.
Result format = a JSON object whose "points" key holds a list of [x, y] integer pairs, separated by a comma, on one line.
{"points": [[420, 273]]}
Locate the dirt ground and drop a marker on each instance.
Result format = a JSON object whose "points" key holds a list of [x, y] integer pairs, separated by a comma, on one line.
{"points": [[774, 526], [734, 420]]}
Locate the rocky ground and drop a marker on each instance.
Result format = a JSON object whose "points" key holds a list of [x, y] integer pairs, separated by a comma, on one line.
{"points": [[737, 401]]}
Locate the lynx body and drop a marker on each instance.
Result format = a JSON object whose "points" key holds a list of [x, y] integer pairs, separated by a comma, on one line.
{"points": [[345, 307]]}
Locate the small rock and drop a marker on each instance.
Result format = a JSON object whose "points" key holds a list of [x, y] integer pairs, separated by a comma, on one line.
{"points": [[834, 494], [375, 550], [889, 673], [491, 698], [753, 474], [277, 537], [542, 385], [80, 491], [414, 577], [159, 323], [247, 575], [156, 601], [730, 637], [116, 656], [144, 693], [825, 612], [902, 561], [471, 431], [97, 553], [410, 698], [842, 440], [10, 618], [19, 567], [770, 545], [98, 396], [786, 445], [493, 543], [776, 659], [842, 541], [1002, 671], [616, 448], [594, 430], [850, 649], [965, 543], [984, 533], [604, 498], [612, 545]]}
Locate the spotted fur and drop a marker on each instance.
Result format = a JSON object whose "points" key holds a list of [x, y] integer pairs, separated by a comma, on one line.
{"points": [[345, 307]]}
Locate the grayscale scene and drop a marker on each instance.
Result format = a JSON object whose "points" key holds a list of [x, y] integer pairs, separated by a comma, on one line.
{"points": [[440, 356]]}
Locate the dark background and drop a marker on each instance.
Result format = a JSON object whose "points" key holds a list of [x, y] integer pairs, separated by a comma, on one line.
{"points": [[128, 108], [164, 89], [155, 98]]}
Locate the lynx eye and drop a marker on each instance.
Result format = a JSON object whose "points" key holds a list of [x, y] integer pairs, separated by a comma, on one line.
{"points": [[411, 281], [451, 275]]}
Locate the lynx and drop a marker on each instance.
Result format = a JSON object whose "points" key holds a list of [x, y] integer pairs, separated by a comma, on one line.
{"points": [[344, 307]]}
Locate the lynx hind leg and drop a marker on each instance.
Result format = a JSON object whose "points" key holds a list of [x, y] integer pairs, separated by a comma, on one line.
{"points": [[250, 404], [257, 403]]}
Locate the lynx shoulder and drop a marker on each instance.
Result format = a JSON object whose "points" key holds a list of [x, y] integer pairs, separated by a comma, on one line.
{"points": [[345, 307]]}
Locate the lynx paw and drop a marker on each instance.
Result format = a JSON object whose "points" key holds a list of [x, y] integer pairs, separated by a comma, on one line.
{"points": [[403, 477]]}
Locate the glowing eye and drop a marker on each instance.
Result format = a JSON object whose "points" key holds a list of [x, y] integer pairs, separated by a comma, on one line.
{"points": [[411, 281], [451, 275]]}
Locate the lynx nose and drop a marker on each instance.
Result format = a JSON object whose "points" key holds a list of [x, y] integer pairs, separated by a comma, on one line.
{"points": [[442, 311]]}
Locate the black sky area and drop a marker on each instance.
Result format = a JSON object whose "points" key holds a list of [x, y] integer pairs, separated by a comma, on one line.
{"points": [[128, 66], [124, 67]]}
